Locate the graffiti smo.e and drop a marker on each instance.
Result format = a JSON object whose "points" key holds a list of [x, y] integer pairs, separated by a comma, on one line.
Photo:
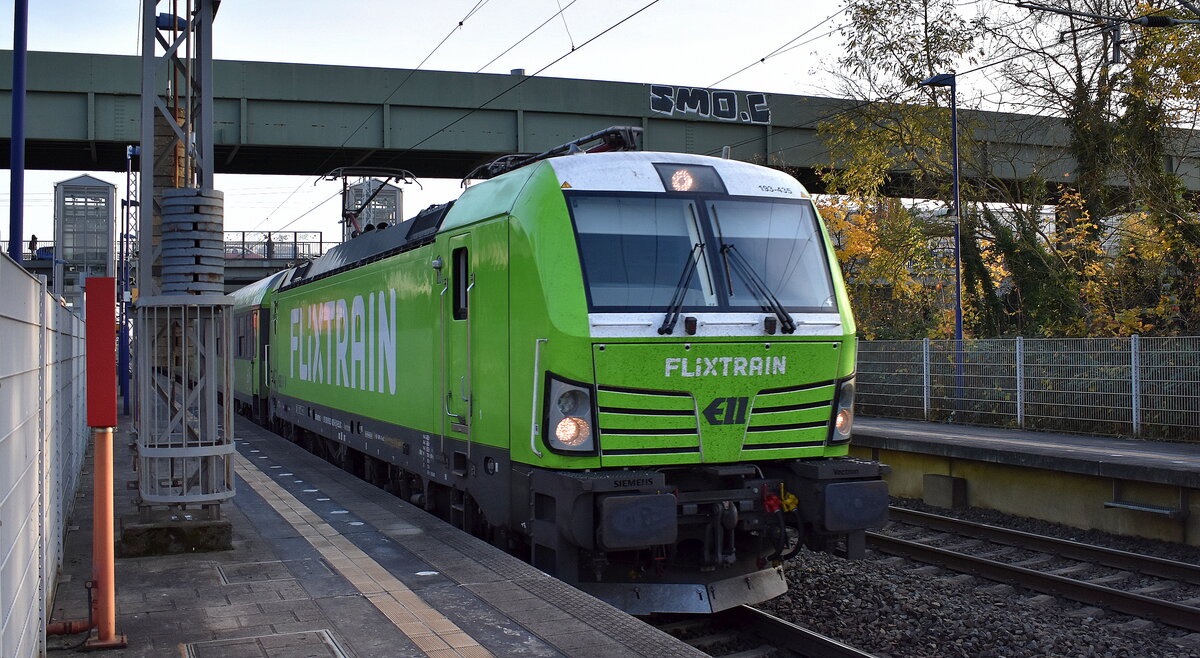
{"points": [[723, 105]]}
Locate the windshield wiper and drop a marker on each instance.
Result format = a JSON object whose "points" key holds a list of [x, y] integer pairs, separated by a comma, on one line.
{"points": [[757, 286], [681, 289]]}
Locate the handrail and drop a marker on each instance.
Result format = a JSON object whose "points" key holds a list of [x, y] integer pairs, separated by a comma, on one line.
{"points": [[537, 380]]}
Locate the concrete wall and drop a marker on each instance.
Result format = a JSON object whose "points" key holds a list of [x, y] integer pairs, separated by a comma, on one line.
{"points": [[43, 438], [1071, 499]]}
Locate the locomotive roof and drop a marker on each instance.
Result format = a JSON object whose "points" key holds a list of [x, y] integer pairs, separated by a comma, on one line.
{"points": [[625, 171], [254, 293], [634, 171], [375, 244], [619, 171]]}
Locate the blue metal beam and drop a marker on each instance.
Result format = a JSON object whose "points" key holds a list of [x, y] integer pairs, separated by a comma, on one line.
{"points": [[16, 206]]}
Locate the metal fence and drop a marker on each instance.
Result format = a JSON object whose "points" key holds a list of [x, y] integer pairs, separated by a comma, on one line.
{"points": [[284, 245], [43, 438], [1137, 387], [45, 250]]}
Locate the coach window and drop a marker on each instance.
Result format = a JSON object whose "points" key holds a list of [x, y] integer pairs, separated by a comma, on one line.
{"points": [[461, 277], [239, 324]]}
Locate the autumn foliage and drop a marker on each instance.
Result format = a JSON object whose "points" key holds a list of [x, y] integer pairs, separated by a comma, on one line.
{"points": [[1108, 248]]}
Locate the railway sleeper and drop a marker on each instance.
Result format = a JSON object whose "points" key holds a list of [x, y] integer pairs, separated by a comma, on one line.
{"points": [[720, 641], [1033, 562], [1155, 589], [933, 539], [968, 545], [763, 651], [1074, 570], [1112, 579], [998, 553]]}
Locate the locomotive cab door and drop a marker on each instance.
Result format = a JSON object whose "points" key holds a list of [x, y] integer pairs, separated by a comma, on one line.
{"points": [[457, 390]]}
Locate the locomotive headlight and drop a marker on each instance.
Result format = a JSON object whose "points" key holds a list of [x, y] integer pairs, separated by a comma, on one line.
{"points": [[568, 417], [843, 416], [841, 424], [682, 181], [573, 431], [689, 178]]}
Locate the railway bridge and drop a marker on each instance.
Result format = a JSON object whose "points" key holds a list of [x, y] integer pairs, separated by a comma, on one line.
{"points": [[281, 118]]}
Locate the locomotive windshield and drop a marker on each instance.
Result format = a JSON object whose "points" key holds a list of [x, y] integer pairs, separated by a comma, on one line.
{"points": [[637, 249]]}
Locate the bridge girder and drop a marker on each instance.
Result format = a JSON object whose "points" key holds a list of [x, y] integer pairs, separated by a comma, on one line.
{"points": [[275, 118]]}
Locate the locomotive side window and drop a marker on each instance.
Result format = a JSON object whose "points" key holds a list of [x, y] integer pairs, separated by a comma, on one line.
{"points": [[461, 275]]}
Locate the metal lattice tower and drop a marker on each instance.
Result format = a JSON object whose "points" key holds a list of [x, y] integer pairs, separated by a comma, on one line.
{"points": [[183, 372], [385, 205]]}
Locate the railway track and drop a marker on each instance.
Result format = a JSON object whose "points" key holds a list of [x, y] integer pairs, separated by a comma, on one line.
{"points": [[746, 632], [1080, 572]]}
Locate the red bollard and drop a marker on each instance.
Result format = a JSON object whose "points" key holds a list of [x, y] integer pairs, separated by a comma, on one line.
{"points": [[104, 601], [100, 306]]}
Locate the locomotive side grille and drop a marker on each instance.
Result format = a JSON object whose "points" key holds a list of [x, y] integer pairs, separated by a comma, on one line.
{"points": [[793, 417], [636, 423]]}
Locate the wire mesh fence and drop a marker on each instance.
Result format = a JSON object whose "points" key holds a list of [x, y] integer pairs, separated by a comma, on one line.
{"points": [[43, 440], [1139, 387]]}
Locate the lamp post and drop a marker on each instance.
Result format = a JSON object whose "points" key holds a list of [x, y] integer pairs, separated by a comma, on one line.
{"points": [[948, 80], [16, 206]]}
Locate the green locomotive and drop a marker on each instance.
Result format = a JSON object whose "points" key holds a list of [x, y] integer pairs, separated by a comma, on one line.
{"points": [[635, 368]]}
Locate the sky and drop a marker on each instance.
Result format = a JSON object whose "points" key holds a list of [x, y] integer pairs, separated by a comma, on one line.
{"points": [[680, 42]]}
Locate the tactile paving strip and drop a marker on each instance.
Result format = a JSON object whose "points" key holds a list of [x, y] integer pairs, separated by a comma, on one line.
{"points": [[428, 629]]}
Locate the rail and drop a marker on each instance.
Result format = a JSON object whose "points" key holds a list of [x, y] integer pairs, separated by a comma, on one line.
{"points": [[1132, 603], [1109, 557], [746, 631], [783, 633]]}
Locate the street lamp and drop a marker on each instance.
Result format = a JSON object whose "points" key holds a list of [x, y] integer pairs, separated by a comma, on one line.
{"points": [[947, 80]]}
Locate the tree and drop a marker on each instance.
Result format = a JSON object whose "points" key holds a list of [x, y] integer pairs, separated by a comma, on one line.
{"points": [[1122, 110], [895, 270], [892, 276], [1109, 258]]}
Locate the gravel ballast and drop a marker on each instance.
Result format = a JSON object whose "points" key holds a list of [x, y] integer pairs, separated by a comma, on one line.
{"points": [[892, 607]]}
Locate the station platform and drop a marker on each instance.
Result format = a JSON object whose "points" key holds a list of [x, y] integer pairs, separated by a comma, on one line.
{"points": [[1123, 486], [325, 564]]}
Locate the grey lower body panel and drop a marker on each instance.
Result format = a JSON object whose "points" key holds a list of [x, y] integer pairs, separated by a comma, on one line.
{"points": [[692, 598]]}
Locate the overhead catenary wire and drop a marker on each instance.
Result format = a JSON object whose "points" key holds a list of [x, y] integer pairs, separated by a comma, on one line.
{"points": [[863, 103], [306, 212], [474, 10], [780, 49], [544, 23], [564, 22], [788, 47], [460, 24], [524, 79]]}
